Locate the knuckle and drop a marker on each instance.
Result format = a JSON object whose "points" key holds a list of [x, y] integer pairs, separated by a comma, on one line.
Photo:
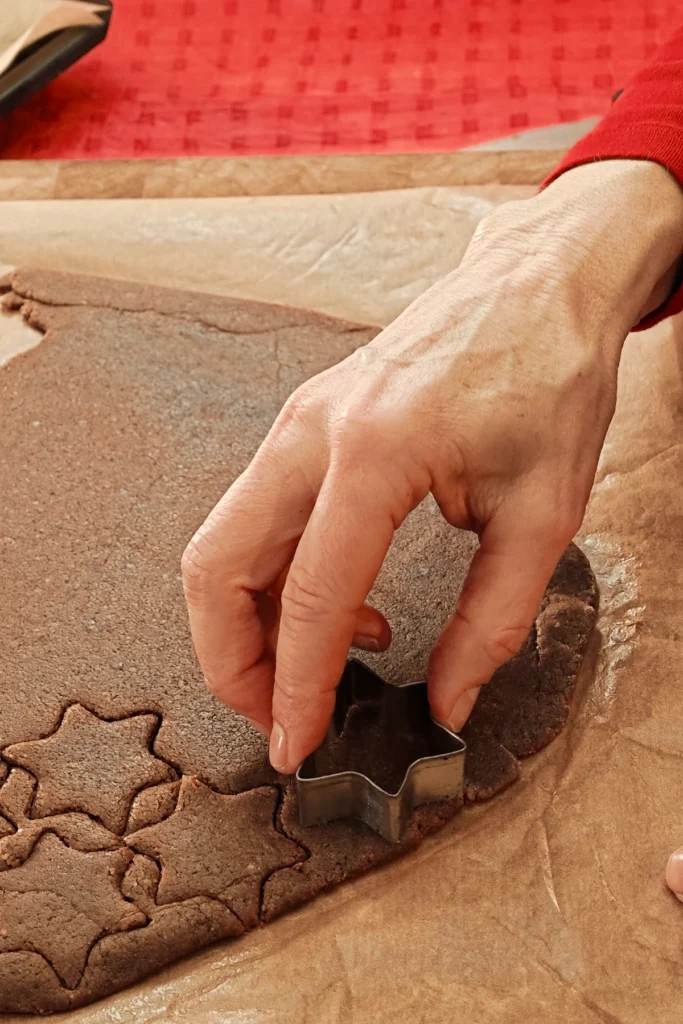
{"points": [[485, 225], [296, 706], [196, 566], [361, 420], [302, 599], [235, 689], [361, 438], [217, 686], [353, 416], [554, 511], [503, 643], [566, 522], [301, 407], [291, 701], [497, 221]]}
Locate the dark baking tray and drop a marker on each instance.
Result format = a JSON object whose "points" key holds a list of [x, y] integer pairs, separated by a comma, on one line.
{"points": [[47, 58]]}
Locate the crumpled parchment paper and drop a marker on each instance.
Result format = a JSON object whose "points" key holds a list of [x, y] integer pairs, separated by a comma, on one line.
{"points": [[548, 904]]}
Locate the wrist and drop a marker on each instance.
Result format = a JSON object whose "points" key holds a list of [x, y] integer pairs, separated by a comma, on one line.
{"points": [[621, 223]]}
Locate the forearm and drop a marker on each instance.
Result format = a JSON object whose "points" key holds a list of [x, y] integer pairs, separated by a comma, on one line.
{"points": [[646, 125], [628, 217]]}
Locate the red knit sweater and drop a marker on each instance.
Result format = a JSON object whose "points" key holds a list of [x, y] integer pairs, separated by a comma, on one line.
{"points": [[645, 122]]}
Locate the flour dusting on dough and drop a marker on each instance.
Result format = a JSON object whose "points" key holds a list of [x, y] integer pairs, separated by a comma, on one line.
{"points": [[620, 614]]}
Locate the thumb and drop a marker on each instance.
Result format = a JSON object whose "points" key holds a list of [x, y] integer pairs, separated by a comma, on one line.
{"points": [[503, 589]]}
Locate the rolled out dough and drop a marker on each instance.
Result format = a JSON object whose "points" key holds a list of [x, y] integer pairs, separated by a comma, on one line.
{"points": [[139, 818]]}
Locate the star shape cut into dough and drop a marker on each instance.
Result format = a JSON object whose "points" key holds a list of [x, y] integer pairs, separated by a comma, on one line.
{"points": [[214, 844], [60, 901], [74, 828], [92, 765]]}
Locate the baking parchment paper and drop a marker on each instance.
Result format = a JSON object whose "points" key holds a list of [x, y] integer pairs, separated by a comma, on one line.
{"points": [[548, 904]]}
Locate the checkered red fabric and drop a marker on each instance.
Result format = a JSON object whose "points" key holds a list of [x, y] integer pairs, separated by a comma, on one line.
{"points": [[221, 77]]}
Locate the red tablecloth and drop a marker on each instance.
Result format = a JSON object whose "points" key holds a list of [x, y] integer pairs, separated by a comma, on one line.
{"points": [[217, 77]]}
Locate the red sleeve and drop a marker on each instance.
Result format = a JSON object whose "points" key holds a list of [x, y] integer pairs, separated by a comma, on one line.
{"points": [[645, 123]]}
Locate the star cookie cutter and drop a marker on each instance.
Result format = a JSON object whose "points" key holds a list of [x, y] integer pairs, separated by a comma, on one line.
{"points": [[325, 793]]}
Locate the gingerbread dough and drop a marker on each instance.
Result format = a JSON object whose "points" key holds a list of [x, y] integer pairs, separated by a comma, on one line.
{"points": [[139, 818]]}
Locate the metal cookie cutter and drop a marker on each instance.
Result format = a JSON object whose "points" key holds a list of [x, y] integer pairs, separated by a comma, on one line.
{"points": [[401, 714]]}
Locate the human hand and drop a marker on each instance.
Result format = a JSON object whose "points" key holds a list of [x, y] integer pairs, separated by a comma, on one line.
{"points": [[493, 391]]}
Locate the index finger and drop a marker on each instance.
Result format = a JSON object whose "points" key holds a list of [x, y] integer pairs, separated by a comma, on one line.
{"points": [[247, 540], [335, 565]]}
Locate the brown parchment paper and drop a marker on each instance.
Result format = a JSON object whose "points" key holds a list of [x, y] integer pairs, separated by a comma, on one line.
{"points": [[548, 904], [363, 256]]}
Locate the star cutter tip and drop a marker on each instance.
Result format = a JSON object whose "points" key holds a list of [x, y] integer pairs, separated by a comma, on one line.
{"points": [[325, 795]]}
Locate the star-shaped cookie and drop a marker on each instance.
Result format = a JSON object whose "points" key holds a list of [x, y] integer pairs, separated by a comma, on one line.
{"points": [[74, 828], [217, 845], [92, 765], [60, 900]]}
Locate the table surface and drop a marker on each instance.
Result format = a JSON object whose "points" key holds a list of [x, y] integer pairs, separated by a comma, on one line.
{"points": [[199, 177]]}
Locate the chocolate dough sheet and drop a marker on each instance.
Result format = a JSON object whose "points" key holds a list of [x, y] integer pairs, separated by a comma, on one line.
{"points": [[139, 817]]}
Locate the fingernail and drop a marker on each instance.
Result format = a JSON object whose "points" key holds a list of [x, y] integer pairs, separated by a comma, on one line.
{"points": [[462, 709], [278, 748], [367, 643], [259, 726], [674, 873]]}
